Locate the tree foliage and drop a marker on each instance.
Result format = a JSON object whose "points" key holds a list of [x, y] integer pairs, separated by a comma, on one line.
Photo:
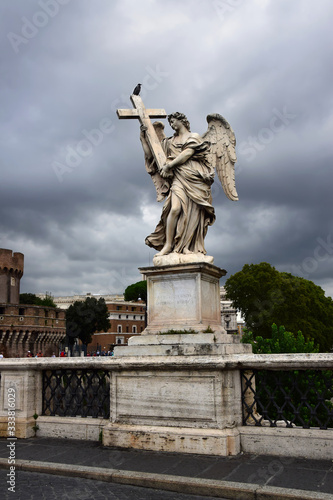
{"points": [[31, 298], [85, 318], [266, 296], [280, 341], [136, 291], [297, 392]]}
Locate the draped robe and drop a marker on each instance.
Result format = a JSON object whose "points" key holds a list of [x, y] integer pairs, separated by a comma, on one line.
{"points": [[191, 183]]}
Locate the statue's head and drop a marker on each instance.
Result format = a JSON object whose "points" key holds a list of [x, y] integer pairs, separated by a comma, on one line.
{"points": [[182, 118]]}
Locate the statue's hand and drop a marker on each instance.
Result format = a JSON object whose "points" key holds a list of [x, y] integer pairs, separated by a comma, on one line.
{"points": [[143, 130], [166, 171]]}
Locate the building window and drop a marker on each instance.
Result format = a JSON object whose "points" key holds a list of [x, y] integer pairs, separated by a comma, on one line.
{"points": [[133, 308], [119, 340], [12, 281], [126, 316], [134, 329], [119, 316], [134, 316], [119, 329], [2, 310], [118, 308], [21, 311], [127, 330]]}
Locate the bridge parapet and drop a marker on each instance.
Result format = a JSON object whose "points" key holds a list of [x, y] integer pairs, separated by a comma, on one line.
{"points": [[266, 404]]}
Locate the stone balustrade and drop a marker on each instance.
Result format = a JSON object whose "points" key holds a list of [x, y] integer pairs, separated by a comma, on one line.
{"points": [[188, 403]]}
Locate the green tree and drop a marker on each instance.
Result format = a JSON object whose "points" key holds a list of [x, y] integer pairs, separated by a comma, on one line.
{"points": [[48, 301], [136, 291], [31, 298], [28, 298], [85, 318], [280, 341], [266, 296]]}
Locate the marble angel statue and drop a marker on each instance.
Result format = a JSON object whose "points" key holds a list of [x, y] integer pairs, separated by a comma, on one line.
{"points": [[185, 180]]}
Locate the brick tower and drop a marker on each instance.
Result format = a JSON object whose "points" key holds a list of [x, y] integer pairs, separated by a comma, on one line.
{"points": [[11, 272]]}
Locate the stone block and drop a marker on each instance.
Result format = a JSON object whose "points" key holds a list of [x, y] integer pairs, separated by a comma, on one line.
{"points": [[23, 427], [183, 297], [71, 427], [184, 398], [181, 440], [185, 410], [27, 393], [199, 344], [297, 442]]}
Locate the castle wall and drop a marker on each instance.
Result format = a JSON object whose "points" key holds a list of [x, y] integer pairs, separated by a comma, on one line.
{"points": [[32, 328]]}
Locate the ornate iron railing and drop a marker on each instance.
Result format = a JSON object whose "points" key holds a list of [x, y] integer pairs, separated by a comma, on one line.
{"points": [[298, 398], [72, 393]]}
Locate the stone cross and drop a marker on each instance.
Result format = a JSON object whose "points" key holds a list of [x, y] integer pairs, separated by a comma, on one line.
{"points": [[144, 116]]}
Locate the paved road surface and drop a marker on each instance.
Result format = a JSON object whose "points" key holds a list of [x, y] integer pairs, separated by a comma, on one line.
{"points": [[34, 486]]}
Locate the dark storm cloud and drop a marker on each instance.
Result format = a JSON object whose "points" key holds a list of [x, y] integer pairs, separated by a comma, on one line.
{"points": [[75, 198]]}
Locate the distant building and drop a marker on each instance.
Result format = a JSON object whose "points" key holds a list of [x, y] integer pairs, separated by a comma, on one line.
{"points": [[127, 319], [241, 326], [23, 327], [66, 301], [228, 313]]}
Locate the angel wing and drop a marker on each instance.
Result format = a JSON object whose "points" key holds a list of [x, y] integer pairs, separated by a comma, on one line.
{"points": [[222, 154]]}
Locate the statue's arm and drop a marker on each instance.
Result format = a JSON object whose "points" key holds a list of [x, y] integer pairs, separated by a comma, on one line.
{"points": [[181, 158]]}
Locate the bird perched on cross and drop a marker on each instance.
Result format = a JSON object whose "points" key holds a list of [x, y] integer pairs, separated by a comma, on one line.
{"points": [[137, 89]]}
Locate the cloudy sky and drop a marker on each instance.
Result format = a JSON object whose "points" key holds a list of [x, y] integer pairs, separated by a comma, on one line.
{"points": [[75, 196]]}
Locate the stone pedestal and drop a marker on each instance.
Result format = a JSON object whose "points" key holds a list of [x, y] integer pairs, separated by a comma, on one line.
{"points": [[168, 407], [183, 297], [172, 392]]}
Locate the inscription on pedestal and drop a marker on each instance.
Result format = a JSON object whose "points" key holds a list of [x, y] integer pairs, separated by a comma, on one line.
{"points": [[174, 298], [183, 297]]}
